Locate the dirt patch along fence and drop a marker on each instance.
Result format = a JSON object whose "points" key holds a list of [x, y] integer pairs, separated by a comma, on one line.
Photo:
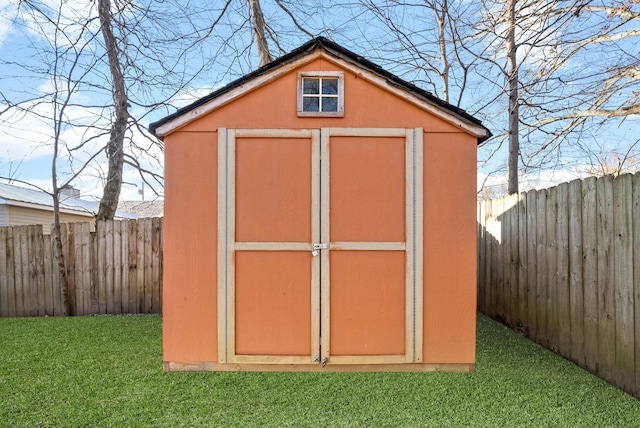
{"points": [[562, 266], [115, 270]]}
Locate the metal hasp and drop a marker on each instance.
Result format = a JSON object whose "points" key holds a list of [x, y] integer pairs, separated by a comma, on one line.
{"points": [[318, 246]]}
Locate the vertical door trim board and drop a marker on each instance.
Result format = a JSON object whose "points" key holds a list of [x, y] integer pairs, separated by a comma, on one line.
{"points": [[316, 161], [222, 244], [325, 297], [418, 265], [409, 201]]}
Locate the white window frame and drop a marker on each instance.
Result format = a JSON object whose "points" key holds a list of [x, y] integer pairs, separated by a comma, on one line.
{"points": [[321, 74]]}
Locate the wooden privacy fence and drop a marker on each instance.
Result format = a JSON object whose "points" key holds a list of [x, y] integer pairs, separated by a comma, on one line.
{"points": [[562, 266], [115, 270]]}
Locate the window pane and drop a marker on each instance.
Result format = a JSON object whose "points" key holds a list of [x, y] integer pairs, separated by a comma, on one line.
{"points": [[310, 86], [330, 86], [330, 104], [310, 104]]}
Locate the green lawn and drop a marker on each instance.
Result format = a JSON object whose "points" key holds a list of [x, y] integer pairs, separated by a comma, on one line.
{"points": [[107, 371]]}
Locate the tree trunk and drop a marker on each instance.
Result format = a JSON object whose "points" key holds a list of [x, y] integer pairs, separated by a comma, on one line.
{"points": [[69, 309], [257, 21], [441, 19], [115, 147], [512, 69]]}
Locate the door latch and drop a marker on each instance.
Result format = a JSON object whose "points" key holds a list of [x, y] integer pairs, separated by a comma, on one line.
{"points": [[317, 247]]}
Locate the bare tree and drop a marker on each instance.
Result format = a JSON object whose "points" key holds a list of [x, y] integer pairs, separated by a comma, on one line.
{"points": [[257, 22], [115, 146], [590, 78], [513, 82], [514, 37], [432, 59], [66, 70]]}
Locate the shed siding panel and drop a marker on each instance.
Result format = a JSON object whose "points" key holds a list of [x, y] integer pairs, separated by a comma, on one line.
{"points": [[449, 248], [274, 106], [190, 248], [3, 215]]}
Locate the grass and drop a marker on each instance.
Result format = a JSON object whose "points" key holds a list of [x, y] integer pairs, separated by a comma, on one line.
{"points": [[107, 371]]}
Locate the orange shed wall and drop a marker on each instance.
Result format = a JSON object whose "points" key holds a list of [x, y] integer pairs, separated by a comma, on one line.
{"points": [[190, 291], [190, 247], [275, 106], [449, 248]]}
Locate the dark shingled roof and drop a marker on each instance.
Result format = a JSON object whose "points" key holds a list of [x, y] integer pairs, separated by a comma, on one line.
{"points": [[335, 49]]}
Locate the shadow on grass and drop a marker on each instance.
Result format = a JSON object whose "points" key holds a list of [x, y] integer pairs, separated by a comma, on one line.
{"points": [[107, 371]]}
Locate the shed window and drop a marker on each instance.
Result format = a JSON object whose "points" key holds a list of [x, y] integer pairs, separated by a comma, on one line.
{"points": [[321, 94]]}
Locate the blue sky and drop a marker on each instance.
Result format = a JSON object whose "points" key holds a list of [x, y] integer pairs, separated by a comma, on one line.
{"points": [[25, 152]]}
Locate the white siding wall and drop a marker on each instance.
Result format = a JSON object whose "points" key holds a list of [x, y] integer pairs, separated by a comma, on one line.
{"points": [[21, 216], [3, 215]]}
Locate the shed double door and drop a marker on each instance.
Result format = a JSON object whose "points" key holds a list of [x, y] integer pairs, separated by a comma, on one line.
{"points": [[320, 246]]}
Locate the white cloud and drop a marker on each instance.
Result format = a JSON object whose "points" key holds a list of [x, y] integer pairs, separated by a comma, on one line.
{"points": [[7, 12], [73, 18]]}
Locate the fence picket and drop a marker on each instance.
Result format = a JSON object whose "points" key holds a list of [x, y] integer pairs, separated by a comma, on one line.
{"points": [[38, 239], [75, 251], [504, 299], [590, 272], [532, 266], [576, 294], [552, 269], [563, 308], [31, 292], [85, 272], [11, 274], [103, 294], [18, 268], [148, 267], [623, 283], [606, 295], [489, 249], [541, 282], [124, 263], [156, 260], [117, 267], [523, 295], [636, 276], [133, 266], [514, 261], [70, 264], [4, 277], [140, 279], [108, 278], [95, 273]]}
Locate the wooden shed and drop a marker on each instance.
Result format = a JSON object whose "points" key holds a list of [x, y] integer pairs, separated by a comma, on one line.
{"points": [[320, 216]]}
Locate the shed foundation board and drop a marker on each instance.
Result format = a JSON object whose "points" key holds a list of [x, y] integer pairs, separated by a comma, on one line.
{"points": [[172, 366]]}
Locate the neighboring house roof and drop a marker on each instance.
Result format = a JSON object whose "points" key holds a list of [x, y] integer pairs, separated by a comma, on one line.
{"points": [[298, 57], [32, 198], [143, 209]]}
